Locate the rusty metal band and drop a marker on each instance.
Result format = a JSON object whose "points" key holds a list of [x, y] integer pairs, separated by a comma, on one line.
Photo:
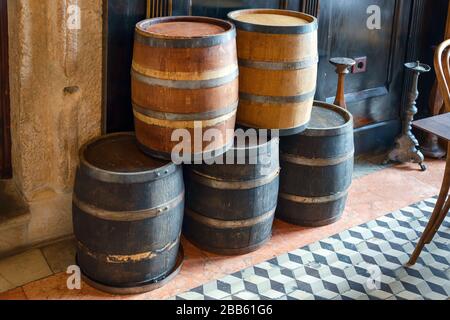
{"points": [[215, 183], [278, 99], [183, 43], [234, 224], [127, 216], [183, 124], [129, 258], [205, 155], [281, 132], [316, 162], [186, 84], [314, 200], [186, 116], [282, 66], [184, 75]]}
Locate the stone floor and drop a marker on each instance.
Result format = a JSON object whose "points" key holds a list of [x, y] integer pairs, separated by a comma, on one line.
{"points": [[376, 191], [366, 262]]}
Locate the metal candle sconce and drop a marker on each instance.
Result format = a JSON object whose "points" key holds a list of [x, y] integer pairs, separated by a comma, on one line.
{"points": [[406, 146]]}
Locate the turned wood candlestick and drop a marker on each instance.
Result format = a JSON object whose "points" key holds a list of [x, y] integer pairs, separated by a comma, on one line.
{"points": [[342, 69]]}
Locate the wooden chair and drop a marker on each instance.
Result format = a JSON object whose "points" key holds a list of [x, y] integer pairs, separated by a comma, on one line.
{"points": [[440, 126]]}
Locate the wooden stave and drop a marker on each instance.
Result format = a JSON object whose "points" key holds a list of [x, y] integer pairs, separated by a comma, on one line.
{"points": [[300, 214], [157, 141], [280, 64], [225, 89], [217, 241], [237, 201], [264, 155], [241, 209], [318, 179], [317, 156]]}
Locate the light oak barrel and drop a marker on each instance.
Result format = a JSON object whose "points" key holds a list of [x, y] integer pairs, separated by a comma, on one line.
{"points": [[278, 57], [317, 168], [184, 73], [230, 208], [127, 215]]}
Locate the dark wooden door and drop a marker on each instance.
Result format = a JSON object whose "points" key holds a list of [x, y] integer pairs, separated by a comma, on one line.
{"points": [[374, 97], [5, 135], [220, 8], [120, 18]]}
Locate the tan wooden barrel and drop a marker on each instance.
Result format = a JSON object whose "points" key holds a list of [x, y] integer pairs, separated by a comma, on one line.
{"points": [[184, 75], [278, 56]]}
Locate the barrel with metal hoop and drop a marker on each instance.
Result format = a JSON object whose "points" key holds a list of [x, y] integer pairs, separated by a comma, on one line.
{"points": [[278, 57], [184, 76], [317, 168], [127, 216], [230, 207]]}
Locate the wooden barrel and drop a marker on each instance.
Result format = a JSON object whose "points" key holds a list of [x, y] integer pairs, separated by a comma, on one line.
{"points": [[317, 168], [127, 215], [184, 76], [230, 208], [278, 56]]}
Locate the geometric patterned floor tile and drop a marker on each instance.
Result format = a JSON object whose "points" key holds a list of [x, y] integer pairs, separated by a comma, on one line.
{"points": [[367, 262]]}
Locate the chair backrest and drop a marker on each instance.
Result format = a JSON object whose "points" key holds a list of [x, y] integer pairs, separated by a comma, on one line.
{"points": [[442, 68]]}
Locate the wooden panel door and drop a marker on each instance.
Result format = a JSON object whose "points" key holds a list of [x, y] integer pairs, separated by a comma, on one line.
{"points": [[120, 18], [5, 135], [220, 8], [374, 97]]}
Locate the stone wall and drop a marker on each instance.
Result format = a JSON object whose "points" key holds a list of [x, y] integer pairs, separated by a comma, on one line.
{"points": [[56, 90]]}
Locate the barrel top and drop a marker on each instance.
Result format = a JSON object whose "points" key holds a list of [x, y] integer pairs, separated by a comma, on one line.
{"points": [[184, 32], [328, 119], [269, 19], [273, 21], [187, 29], [119, 153], [322, 118], [117, 158]]}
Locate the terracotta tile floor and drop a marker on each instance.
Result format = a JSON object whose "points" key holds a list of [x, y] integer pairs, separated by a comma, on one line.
{"points": [[372, 195]]}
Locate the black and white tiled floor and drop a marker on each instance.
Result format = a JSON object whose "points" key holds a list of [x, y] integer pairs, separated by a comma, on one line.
{"points": [[365, 262]]}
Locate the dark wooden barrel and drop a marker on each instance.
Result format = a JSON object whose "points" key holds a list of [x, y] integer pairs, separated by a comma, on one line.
{"points": [[127, 214], [184, 76], [278, 56], [230, 208], [317, 168]]}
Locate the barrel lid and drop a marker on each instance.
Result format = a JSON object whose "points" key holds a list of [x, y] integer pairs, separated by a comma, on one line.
{"points": [[328, 119], [273, 21], [117, 158], [322, 118], [184, 32], [186, 29]]}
